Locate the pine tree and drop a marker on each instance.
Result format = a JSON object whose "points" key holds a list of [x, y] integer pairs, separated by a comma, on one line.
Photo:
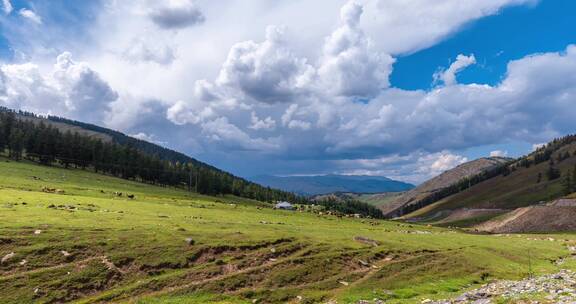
{"points": [[16, 144], [552, 172], [573, 180], [567, 184]]}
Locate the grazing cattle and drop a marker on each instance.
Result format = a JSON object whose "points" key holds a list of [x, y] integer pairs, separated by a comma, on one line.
{"points": [[48, 190], [130, 196], [118, 193]]}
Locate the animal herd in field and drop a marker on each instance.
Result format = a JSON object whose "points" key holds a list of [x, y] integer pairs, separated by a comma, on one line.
{"points": [[53, 190], [47, 189]]}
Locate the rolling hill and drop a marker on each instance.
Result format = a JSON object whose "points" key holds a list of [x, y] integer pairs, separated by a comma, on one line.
{"points": [[55, 140], [324, 184], [397, 206], [86, 244], [539, 177]]}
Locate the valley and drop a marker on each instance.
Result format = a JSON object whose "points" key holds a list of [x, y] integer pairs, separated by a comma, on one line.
{"points": [[89, 245], [287, 152]]}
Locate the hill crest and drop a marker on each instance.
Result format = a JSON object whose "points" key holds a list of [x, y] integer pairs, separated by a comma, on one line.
{"points": [[440, 182]]}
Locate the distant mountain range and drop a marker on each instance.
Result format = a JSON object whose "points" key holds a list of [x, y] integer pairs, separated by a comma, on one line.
{"points": [[323, 184]]}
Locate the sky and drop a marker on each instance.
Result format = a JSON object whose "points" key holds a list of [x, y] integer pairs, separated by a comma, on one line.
{"points": [[400, 88]]}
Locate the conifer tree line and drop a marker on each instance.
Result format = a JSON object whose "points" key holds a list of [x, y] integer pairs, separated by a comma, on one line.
{"points": [[569, 182], [20, 138], [351, 206]]}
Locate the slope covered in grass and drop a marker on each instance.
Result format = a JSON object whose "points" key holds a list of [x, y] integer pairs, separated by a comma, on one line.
{"points": [[412, 199], [88, 245], [523, 186]]}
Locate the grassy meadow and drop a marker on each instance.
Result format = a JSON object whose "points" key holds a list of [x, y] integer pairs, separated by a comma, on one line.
{"points": [[88, 245]]}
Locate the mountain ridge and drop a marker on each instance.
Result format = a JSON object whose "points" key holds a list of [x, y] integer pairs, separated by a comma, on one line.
{"points": [[331, 183], [546, 174], [439, 183]]}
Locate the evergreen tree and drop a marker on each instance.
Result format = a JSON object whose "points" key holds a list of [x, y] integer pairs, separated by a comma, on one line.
{"points": [[567, 185], [16, 144], [573, 180], [552, 173]]}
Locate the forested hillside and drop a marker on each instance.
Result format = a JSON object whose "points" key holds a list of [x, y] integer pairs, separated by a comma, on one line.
{"points": [[446, 184], [545, 174], [123, 157]]}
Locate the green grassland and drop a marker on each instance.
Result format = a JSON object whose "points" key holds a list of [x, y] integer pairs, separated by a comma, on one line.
{"points": [[166, 245], [377, 200]]}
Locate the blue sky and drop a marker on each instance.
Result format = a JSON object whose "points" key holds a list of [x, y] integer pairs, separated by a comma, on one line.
{"points": [[495, 40], [404, 89]]}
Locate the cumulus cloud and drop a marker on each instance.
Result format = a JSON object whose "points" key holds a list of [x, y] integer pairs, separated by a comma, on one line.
{"points": [[531, 104], [289, 121], [415, 167], [499, 153], [323, 93], [86, 93], [406, 26], [392, 120], [538, 146], [7, 7], [349, 66], [448, 76], [261, 124], [72, 89], [222, 131], [148, 137], [177, 14], [30, 15], [182, 113], [141, 50], [445, 161], [266, 72]]}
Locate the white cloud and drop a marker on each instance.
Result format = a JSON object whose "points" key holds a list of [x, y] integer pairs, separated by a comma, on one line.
{"points": [[350, 66], [151, 138], [327, 78], [222, 131], [72, 89], [262, 124], [499, 153], [143, 136], [415, 167], [30, 15], [448, 76], [142, 50], [7, 7], [289, 121], [538, 146], [406, 26], [445, 161], [180, 113], [267, 72], [177, 14], [533, 103], [299, 124]]}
